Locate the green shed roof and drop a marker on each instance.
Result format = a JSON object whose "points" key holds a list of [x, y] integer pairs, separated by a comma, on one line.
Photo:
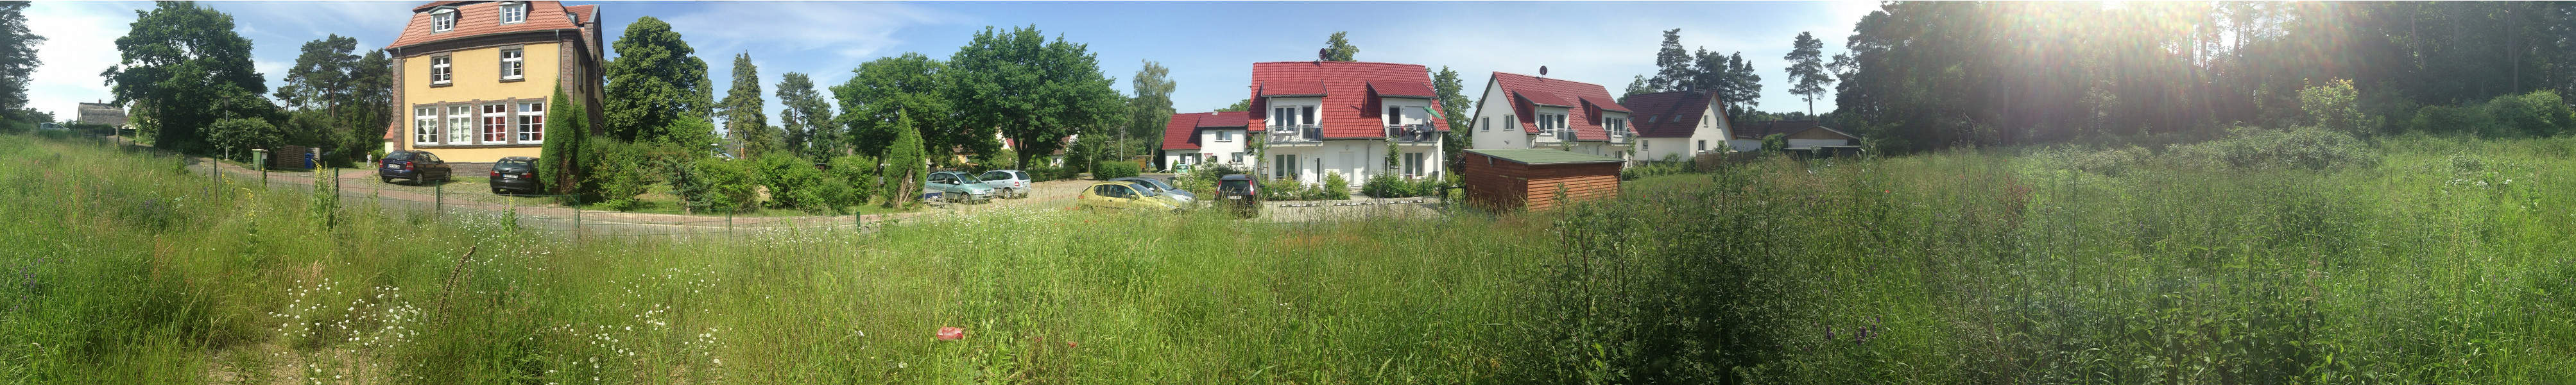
{"points": [[1542, 156]]}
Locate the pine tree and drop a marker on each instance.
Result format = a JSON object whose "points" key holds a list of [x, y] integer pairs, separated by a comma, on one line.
{"points": [[744, 121]]}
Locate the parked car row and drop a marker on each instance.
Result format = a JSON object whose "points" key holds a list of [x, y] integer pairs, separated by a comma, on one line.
{"points": [[962, 187], [1241, 194]]}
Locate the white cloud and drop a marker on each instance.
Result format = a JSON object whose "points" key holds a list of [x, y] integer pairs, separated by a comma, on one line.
{"points": [[316, 19], [80, 42]]}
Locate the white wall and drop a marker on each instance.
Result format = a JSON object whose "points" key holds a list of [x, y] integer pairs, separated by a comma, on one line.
{"points": [[1490, 111], [1712, 128], [1225, 150], [1173, 159]]}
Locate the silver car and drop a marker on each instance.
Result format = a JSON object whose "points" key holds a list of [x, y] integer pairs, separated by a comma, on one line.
{"points": [[1009, 183], [959, 187]]}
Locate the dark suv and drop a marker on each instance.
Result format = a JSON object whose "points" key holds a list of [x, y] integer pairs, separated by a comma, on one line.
{"points": [[1240, 192], [414, 165], [517, 173]]}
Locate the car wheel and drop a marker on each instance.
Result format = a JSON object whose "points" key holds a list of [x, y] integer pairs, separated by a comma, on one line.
{"points": [[497, 191], [386, 179]]}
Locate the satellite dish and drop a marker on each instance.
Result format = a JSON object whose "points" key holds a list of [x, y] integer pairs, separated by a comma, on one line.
{"points": [[1542, 70], [1322, 54]]}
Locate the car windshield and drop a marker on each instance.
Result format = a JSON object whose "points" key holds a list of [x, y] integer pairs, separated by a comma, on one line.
{"points": [[1148, 189], [963, 178]]}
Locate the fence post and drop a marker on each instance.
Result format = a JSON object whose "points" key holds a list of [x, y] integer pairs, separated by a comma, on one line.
{"points": [[441, 191], [576, 218], [728, 223]]}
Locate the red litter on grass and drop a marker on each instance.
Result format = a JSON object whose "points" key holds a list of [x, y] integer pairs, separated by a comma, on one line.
{"points": [[951, 333]]}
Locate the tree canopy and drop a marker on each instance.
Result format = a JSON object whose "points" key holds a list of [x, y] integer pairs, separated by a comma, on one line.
{"points": [[1339, 48], [1807, 77], [655, 83], [910, 88], [1152, 106], [18, 59], [183, 68], [807, 119], [745, 123], [1035, 92]]}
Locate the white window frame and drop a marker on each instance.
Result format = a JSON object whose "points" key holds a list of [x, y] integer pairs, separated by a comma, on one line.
{"points": [[514, 13], [460, 124], [1286, 167], [1224, 136], [514, 64], [1484, 125], [530, 122], [442, 69], [425, 125], [492, 126], [1416, 164], [442, 20], [1512, 122]]}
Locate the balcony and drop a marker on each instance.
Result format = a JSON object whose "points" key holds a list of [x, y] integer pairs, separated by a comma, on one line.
{"points": [[1412, 133], [1621, 137], [1295, 134], [1561, 135]]}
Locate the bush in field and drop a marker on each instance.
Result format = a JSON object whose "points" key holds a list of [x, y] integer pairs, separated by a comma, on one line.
{"points": [[1041, 172], [1383, 186], [2334, 106], [1335, 187], [2539, 113], [859, 173], [1671, 165], [242, 134], [2305, 147], [718, 185], [906, 164], [1202, 180], [2110, 162], [559, 167], [1775, 143], [795, 184], [619, 171], [1109, 169]]}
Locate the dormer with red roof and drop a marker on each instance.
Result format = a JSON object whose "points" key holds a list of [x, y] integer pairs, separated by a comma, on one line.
{"points": [[1319, 118], [473, 79], [1523, 111]]}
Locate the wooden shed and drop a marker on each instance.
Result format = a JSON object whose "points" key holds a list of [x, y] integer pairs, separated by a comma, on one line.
{"points": [[1508, 179]]}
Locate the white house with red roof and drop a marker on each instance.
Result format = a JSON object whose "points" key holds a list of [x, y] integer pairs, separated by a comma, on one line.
{"points": [[1200, 138], [1679, 125], [1522, 111], [1317, 118]]}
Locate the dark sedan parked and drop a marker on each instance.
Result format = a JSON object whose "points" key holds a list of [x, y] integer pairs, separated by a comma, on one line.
{"points": [[415, 165], [514, 174]]}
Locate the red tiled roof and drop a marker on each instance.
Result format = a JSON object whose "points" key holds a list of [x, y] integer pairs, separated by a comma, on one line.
{"points": [[1182, 132], [1402, 89], [476, 18], [583, 13], [1668, 114], [1346, 112], [1292, 88], [1227, 119], [1546, 91]]}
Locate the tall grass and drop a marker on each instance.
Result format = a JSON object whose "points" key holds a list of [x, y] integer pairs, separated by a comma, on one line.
{"points": [[2425, 267]]}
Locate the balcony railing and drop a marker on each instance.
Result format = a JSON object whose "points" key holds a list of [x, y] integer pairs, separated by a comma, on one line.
{"points": [[1621, 137], [1412, 133], [1305, 133], [1561, 135]]}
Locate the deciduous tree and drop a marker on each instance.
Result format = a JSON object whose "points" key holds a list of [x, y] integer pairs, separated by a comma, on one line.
{"points": [[909, 86], [1035, 92], [183, 68], [655, 83], [1339, 48]]}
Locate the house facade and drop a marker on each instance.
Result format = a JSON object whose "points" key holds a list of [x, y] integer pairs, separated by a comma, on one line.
{"points": [[473, 79], [1203, 138], [1802, 135], [1521, 111], [1679, 125], [1316, 118]]}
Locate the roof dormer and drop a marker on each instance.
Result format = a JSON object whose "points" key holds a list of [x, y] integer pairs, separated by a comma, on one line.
{"points": [[442, 18]]}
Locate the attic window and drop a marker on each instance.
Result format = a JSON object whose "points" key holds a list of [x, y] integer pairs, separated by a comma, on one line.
{"points": [[513, 13], [442, 20]]}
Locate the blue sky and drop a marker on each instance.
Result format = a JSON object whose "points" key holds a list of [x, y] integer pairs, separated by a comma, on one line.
{"points": [[1209, 46]]}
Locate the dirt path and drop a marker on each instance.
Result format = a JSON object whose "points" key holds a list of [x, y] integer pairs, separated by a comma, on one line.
{"points": [[468, 194]]}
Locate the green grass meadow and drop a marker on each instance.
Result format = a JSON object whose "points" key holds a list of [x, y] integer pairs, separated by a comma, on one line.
{"points": [[2446, 261]]}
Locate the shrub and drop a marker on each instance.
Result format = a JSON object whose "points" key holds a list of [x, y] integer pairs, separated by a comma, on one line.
{"points": [[859, 174], [906, 164], [1202, 180], [2334, 107], [2305, 147], [620, 172], [1382, 186], [1282, 189], [239, 135], [717, 185], [1654, 170], [1109, 169], [1335, 187], [2110, 162], [2539, 113], [1775, 143], [1042, 172], [795, 184]]}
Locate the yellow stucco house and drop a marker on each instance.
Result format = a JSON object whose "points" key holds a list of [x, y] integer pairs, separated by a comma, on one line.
{"points": [[472, 78]]}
